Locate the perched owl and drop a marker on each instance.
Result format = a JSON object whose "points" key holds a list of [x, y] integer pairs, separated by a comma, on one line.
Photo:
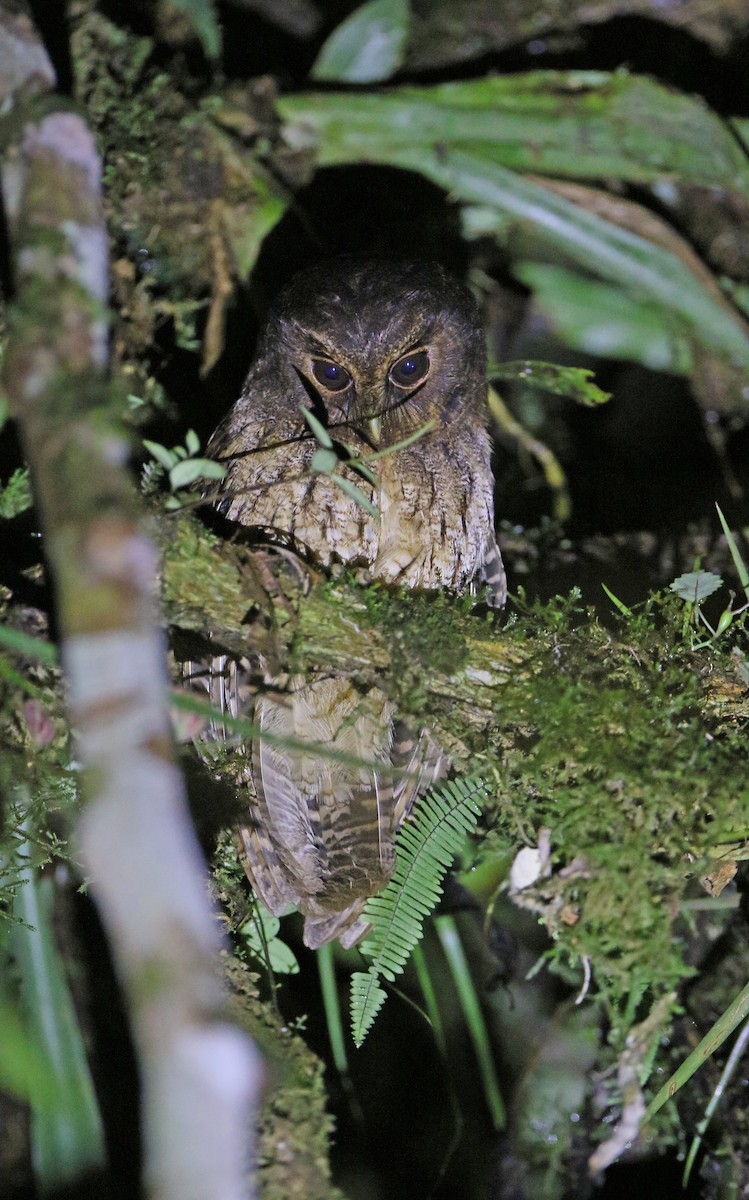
{"points": [[376, 351]]}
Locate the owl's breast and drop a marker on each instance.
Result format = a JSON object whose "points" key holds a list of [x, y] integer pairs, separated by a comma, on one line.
{"points": [[275, 491], [434, 509], [436, 512]]}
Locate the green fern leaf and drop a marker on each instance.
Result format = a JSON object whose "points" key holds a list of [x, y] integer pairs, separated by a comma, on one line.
{"points": [[367, 998], [425, 848]]}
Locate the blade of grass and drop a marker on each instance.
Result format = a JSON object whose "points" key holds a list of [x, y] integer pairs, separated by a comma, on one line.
{"points": [[332, 1007], [736, 1012], [67, 1138], [626, 612], [737, 1053], [738, 561], [447, 931]]}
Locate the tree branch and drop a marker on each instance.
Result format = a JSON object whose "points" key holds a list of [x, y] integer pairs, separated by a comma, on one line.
{"points": [[200, 1074]]}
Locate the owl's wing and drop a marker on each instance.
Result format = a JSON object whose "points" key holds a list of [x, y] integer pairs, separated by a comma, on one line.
{"points": [[329, 818], [421, 762], [493, 572], [270, 881]]}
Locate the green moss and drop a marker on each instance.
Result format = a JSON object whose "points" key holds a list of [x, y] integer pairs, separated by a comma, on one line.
{"points": [[607, 743]]}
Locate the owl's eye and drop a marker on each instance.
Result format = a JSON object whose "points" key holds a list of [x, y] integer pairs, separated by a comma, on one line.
{"points": [[330, 376], [410, 370]]}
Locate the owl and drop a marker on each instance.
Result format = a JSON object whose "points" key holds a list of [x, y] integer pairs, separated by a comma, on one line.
{"points": [[389, 358]]}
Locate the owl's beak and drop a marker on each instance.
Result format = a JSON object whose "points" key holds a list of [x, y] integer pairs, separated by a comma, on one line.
{"points": [[375, 428]]}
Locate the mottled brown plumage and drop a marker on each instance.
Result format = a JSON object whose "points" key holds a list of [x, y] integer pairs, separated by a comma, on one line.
{"points": [[376, 351]]}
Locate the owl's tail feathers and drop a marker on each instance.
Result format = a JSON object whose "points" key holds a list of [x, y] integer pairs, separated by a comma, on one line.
{"points": [[420, 762], [347, 926], [268, 878], [493, 573]]}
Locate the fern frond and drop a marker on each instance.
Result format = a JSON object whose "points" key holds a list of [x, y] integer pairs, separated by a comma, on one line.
{"points": [[425, 847], [367, 998]]}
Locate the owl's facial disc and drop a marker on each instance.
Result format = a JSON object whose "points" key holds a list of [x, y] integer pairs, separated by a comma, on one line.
{"points": [[369, 388]]}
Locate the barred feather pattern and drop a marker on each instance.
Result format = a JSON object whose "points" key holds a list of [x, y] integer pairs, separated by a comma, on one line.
{"points": [[320, 830]]}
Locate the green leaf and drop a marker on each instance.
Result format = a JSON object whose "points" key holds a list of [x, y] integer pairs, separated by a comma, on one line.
{"points": [[190, 469], [733, 1016], [367, 998], [696, 586], [324, 462], [622, 607], [741, 568], [574, 382], [585, 125], [332, 1006], [603, 319], [425, 847], [24, 1071], [357, 495], [24, 644], [167, 458], [192, 442], [202, 16], [447, 932], [559, 227], [368, 46], [260, 932], [448, 138], [15, 497], [67, 1136], [317, 428]]}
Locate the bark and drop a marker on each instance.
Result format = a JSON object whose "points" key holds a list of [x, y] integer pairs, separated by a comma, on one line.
{"points": [[200, 1075]]}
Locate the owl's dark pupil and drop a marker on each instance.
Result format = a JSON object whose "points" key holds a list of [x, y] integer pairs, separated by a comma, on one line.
{"points": [[410, 369], [329, 375]]}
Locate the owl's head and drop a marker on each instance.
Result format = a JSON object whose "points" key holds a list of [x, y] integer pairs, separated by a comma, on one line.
{"points": [[388, 344]]}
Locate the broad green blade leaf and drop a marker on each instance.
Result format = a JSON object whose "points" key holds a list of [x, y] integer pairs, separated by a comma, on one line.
{"points": [[587, 125], [67, 1137], [368, 46], [560, 228], [574, 382], [409, 128], [23, 1068], [202, 16], [602, 319], [696, 586], [167, 458], [260, 932]]}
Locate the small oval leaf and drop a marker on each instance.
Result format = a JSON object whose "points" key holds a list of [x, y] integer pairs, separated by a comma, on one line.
{"points": [[368, 46], [324, 462]]}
